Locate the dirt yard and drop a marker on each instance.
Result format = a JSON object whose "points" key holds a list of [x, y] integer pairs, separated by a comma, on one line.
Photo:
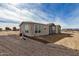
{"points": [[59, 45], [69, 39], [70, 42]]}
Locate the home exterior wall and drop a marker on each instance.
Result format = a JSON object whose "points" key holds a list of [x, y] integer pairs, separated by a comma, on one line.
{"points": [[58, 29], [44, 29], [54, 29], [23, 29]]}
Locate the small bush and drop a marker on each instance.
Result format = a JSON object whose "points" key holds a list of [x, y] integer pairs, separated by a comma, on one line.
{"points": [[7, 29], [0, 29], [14, 29]]}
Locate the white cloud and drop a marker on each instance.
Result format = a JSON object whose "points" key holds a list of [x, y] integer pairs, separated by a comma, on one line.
{"points": [[14, 4], [43, 15], [3, 25], [31, 16], [8, 14], [16, 14], [9, 11], [58, 21]]}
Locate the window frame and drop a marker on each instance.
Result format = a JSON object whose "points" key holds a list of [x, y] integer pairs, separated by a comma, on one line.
{"points": [[26, 28], [37, 28]]}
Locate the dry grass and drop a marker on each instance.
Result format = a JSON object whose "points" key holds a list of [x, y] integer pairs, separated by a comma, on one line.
{"points": [[4, 33]]}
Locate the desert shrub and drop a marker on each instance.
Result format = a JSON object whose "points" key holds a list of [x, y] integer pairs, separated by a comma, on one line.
{"points": [[14, 29], [7, 28], [0, 29]]}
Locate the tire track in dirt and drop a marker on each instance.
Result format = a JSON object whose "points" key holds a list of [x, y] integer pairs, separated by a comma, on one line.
{"points": [[13, 47], [60, 49]]}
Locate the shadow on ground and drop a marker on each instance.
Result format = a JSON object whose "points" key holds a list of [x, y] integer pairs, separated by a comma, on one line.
{"points": [[53, 38], [46, 38], [50, 38]]}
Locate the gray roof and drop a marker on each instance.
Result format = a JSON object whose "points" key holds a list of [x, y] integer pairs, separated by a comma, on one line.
{"points": [[32, 23], [50, 24]]}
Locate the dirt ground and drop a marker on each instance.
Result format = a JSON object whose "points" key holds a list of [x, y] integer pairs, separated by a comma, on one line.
{"points": [[70, 42], [65, 44]]}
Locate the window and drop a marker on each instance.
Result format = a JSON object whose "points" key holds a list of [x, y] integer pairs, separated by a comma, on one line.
{"points": [[27, 28], [37, 29], [26, 31]]}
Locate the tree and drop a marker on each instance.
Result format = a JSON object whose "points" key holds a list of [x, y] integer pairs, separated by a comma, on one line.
{"points": [[7, 28], [14, 29], [0, 29]]}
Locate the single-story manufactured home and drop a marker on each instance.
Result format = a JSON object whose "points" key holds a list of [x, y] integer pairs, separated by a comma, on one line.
{"points": [[37, 29]]}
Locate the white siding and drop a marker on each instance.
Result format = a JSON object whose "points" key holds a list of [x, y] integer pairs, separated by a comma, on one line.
{"points": [[28, 30], [44, 29], [24, 28], [58, 29]]}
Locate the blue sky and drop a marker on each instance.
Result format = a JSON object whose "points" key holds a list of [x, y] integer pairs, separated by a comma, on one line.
{"points": [[64, 14]]}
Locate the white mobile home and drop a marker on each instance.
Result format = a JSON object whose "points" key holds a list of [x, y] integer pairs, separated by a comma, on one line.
{"points": [[36, 29]]}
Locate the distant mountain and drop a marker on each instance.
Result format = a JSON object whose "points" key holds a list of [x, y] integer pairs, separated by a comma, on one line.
{"points": [[72, 29]]}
